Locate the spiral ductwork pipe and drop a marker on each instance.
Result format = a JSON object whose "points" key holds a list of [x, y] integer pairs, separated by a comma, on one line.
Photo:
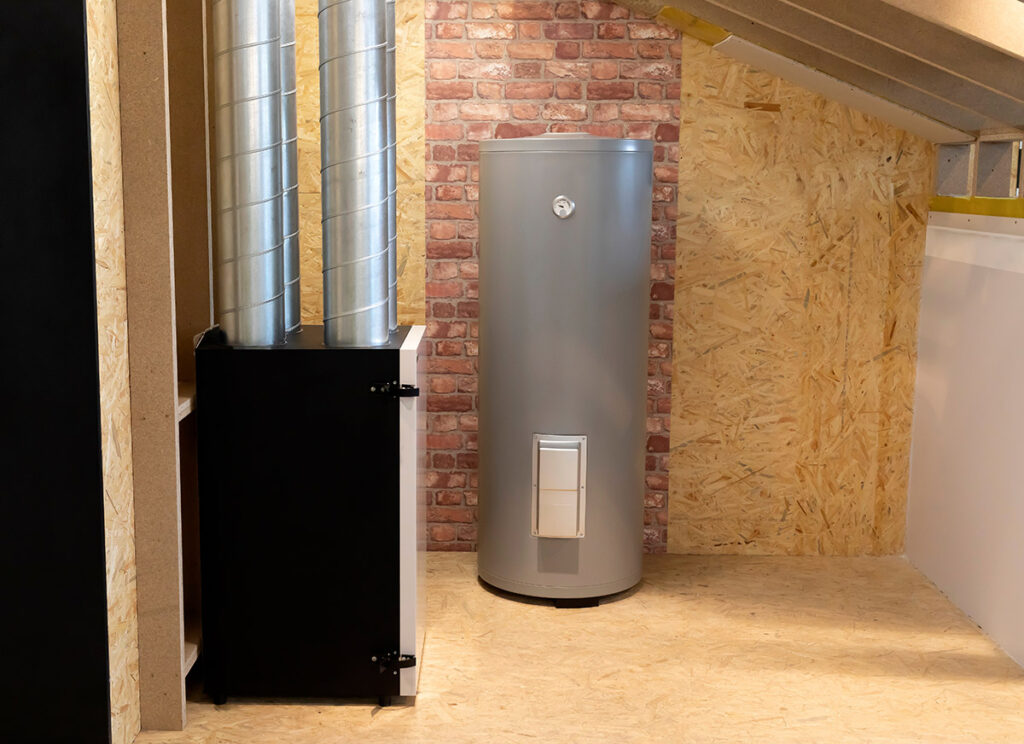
{"points": [[389, 14], [353, 133], [289, 168], [247, 120]]}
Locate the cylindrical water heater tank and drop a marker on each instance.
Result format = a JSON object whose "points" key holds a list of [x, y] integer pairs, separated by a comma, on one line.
{"points": [[565, 223]]}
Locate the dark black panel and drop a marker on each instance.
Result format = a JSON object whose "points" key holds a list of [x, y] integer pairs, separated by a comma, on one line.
{"points": [[298, 497], [53, 632]]}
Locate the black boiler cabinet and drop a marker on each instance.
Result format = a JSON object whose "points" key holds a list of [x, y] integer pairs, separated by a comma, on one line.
{"points": [[311, 530]]}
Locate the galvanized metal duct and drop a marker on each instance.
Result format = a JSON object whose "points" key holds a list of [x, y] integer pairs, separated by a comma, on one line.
{"points": [[389, 15], [247, 102], [354, 166], [289, 168]]}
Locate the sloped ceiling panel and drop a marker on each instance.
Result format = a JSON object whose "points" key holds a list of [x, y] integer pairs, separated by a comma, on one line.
{"points": [[948, 50], [828, 86], [909, 52]]}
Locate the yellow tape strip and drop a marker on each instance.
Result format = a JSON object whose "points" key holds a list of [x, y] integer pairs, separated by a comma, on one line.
{"points": [[985, 205], [692, 25]]}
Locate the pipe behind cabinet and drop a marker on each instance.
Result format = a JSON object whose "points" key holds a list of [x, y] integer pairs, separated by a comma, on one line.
{"points": [[248, 216], [354, 171]]}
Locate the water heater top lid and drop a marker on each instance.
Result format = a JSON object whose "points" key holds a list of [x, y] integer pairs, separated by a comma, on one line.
{"points": [[566, 142]]}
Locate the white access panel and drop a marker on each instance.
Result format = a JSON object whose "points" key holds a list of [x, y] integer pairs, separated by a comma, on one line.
{"points": [[559, 486], [559, 469], [411, 526]]}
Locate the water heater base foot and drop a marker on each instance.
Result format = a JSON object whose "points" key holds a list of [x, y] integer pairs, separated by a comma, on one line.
{"points": [[575, 603]]}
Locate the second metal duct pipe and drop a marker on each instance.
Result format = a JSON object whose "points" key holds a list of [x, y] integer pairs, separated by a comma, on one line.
{"points": [[389, 15], [289, 168], [248, 216], [354, 168]]}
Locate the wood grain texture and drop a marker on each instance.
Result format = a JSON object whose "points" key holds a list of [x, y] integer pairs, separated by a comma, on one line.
{"points": [[307, 76], [707, 649], [190, 176], [149, 259], [799, 248], [410, 65], [411, 102], [115, 400]]}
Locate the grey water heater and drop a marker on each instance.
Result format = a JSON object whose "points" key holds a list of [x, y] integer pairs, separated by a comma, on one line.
{"points": [[565, 227]]}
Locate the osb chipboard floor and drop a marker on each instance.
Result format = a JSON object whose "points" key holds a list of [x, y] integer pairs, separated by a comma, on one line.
{"points": [[411, 165], [799, 247], [115, 402], [707, 649]]}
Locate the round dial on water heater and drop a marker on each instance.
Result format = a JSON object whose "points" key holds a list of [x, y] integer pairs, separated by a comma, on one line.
{"points": [[563, 207]]}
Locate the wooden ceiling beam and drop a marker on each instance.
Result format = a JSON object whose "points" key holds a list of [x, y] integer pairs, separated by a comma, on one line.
{"points": [[934, 107], [998, 24], [960, 55], [836, 90], [879, 58]]}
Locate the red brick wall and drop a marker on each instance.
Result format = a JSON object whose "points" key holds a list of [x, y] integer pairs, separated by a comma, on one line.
{"points": [[510, 69]]}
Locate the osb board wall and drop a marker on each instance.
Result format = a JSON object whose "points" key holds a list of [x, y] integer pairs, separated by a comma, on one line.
{"points": [[112, 316], [308, 104], [411, 163], [409, 20], [799, 248]]}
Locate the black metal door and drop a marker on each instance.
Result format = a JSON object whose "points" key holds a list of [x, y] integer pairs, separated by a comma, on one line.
{"points": [[299, 519]]}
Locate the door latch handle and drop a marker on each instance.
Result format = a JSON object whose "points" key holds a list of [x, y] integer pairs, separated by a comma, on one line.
{"points": [[394, 390]]}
